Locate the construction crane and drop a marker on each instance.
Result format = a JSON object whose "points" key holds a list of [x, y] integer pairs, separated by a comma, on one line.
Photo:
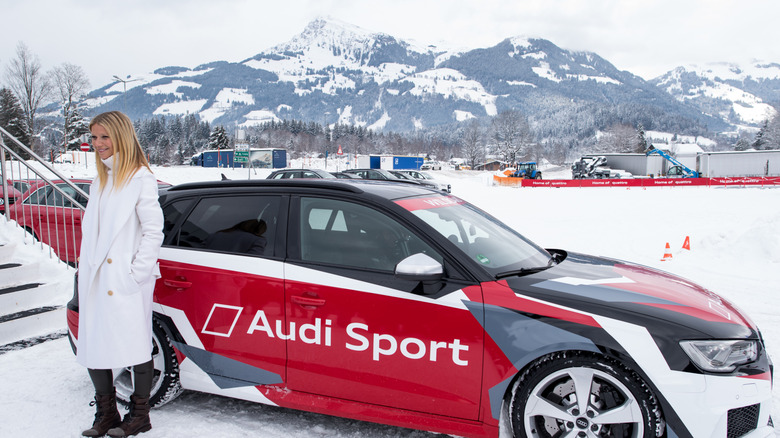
{"points": [[678, 169]]}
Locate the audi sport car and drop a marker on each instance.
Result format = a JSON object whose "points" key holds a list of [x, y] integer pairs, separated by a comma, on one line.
{"points": [[401, 305]]}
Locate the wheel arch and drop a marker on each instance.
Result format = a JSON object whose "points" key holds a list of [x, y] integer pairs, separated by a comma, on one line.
{"points": [[612, 357]]}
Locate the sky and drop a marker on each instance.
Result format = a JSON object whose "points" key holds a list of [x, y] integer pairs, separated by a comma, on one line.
{"points": [[132, 37]]}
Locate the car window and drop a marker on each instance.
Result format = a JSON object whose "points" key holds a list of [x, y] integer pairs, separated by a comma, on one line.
{"points": [[172, 213], [57, 198], [235, 224], [37, 197], [350, 234]]}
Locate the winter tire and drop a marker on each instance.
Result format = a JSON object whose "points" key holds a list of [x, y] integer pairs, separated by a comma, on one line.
{"points": [[585, 395], [165, 384]]}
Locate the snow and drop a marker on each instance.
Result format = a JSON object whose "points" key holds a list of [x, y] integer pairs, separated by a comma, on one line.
{"points": [[258, 117], [451, 83], [172, 88], [183, 107], [735, 251]]}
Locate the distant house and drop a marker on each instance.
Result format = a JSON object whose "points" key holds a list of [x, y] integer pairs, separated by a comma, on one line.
{"points": [[491, 166]]}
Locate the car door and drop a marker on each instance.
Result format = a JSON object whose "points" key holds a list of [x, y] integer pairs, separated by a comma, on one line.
{"points": [[220, 275], [356, 332]]}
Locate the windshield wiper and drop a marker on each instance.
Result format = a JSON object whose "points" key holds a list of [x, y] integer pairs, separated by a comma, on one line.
{"points": [[521, 272], [527, 271]]}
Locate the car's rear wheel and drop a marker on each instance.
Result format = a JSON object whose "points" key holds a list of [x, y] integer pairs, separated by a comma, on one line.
{"points": [[583, 395], [165, 384]]}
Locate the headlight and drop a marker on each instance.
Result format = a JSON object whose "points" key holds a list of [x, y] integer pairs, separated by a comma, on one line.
{"points": [[720, 356]]}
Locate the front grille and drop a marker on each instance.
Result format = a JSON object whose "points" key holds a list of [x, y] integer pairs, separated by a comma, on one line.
{"points": [[742, 420]]}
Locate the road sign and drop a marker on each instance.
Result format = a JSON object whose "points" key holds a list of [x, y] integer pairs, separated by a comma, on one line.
{"points": [[339, 152], [241, 153], [85, 147]]}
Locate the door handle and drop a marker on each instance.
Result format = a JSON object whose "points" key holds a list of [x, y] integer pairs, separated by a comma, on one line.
{"points": [[308, 302], [178, 285]]}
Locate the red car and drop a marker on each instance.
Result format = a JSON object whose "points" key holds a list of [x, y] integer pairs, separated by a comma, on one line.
{"points": [[51, 217]]}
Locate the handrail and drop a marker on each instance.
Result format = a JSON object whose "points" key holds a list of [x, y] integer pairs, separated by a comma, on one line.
{"points": [[35, 156], [56, 227]]}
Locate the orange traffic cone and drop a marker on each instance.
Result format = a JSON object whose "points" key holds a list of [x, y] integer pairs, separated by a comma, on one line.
{"points": [[667, 253], [687, 243]]}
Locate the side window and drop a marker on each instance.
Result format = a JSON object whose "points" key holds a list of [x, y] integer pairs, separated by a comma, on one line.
{"points": [[349, 234], [55, 198], [171, 214], [38, 197], [235, 224]]}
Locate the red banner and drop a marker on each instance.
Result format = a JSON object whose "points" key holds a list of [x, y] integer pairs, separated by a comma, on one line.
{"points": [[639, 182]]}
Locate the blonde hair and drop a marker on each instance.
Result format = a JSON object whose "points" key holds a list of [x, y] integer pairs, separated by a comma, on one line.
{"points": [[128, 155]]}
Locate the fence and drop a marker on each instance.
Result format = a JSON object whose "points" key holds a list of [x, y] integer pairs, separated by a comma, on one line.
{"points": [[639, 182]]}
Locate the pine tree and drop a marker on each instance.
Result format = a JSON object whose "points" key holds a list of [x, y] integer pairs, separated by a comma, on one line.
{"points": [[12, 120], [76, 126], [218, 138], [759, 142]]}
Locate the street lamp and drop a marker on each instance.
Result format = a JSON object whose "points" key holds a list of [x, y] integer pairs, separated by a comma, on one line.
{"points": [[124, 83]]}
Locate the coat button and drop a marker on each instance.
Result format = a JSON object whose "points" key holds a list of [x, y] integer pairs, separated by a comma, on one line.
{"points": [[110, 293], [109, 261]]}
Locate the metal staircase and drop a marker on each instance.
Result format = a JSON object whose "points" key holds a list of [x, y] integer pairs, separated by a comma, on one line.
{"points": [[35, 284]]}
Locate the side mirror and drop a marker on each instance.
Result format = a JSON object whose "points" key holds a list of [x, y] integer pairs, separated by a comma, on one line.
{"points": [[419, 267]]}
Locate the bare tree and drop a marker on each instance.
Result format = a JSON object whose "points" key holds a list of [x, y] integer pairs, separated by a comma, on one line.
{"points": [[511, 135], [618, 138], [472, 143], [30, 85], [71, 83]]}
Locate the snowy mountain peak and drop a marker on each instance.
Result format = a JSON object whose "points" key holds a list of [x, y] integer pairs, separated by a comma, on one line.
{"points": [[739, 94], [326, 32]]}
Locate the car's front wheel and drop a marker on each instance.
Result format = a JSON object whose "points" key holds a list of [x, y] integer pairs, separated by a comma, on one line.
{"points": [[165, 384], [584, 395]]}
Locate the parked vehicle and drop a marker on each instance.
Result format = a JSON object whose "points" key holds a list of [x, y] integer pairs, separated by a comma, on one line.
{"points": [[299, 173], [528, 170], [51, 217], [397, 304], [596, 167], [424, 176], [677, 170], [431, 165], [381, 175]]}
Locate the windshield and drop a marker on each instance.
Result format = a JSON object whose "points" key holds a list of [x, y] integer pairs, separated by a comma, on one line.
{"points": [[481, 237]]}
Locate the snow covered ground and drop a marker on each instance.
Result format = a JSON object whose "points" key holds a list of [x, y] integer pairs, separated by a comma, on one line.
{"points": [[735, 251]]}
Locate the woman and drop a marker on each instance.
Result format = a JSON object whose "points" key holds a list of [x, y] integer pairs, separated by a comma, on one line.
{"points": [[121, 238]]}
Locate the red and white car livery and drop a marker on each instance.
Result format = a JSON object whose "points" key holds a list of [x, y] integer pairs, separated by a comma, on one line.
{"points": [[407, 306]]}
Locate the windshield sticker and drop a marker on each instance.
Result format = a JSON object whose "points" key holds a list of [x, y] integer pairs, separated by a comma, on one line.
{"points": [[482, 259], [430, 202]]}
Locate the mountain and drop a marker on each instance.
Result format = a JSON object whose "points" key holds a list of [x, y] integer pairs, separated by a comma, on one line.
{"points": [[336, 72], [739, 95]]}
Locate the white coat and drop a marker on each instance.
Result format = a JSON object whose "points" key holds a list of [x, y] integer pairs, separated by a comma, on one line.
{"points": [[120, 243]]}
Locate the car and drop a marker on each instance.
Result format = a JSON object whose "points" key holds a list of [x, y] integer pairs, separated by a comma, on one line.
{"points": [[51, 217], [425, 176], [344, 175], [383, 175], [299, 173], [401, 305], [431, 165]]}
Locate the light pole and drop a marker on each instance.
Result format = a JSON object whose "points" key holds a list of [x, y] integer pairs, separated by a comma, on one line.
{"points": [[124, 93]]}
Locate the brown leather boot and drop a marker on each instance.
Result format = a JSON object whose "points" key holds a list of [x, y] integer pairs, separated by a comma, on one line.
{"points": [[136, 420], [106, 415]]}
